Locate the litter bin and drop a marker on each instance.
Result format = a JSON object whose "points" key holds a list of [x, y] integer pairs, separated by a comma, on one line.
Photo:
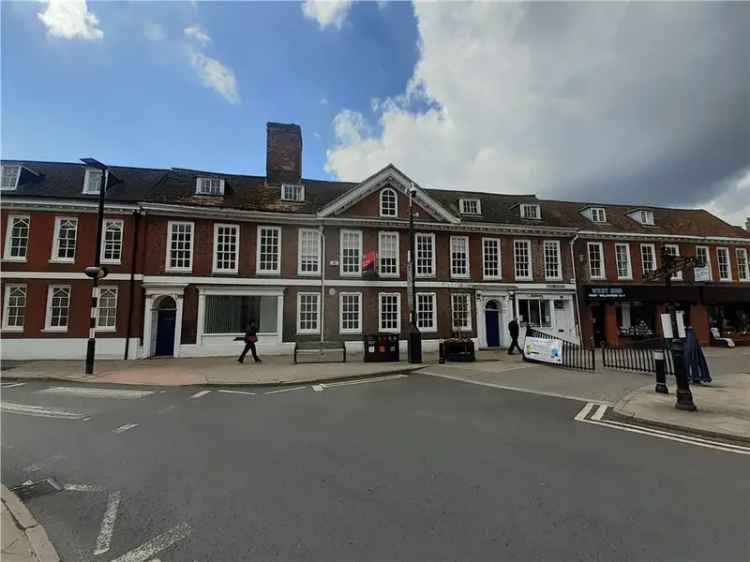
{"points": [[381, 347]]}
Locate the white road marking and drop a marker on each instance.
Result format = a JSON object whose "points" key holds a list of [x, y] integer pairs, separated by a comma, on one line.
{"points": [[200, 394], [361, 381], [157, 544], [317, 387], [124, 428], [285, 390], [39, 411], [599, 412], [108, 524], [98, 392], [688, 440], [83, 488], [518, 389], [237, 392], [12, 384]]}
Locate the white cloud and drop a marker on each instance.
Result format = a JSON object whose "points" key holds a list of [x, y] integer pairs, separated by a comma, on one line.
{"points": [[154, 31], [197, 34], [729, 204], [70, 19], [215, 75], [327, 12], [580, 101]]}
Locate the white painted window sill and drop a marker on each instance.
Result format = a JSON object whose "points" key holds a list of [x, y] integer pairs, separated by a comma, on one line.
{"points": [[15, 260], [61, 260], [13, 330], [55, 330]]}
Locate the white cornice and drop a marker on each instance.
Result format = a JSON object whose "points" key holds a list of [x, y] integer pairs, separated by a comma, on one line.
{"points": [[593, 234], [68, 205], [228, 214]]}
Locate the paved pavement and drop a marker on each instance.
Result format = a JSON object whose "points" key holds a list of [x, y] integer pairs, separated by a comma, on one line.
{"points": [[398, 468]]}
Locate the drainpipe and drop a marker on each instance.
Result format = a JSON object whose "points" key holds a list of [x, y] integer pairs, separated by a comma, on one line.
{"points": [[131, 292], [575, 296], [322, 282]]}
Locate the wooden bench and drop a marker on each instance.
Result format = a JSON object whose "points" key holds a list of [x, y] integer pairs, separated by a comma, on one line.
{"points": [[320, 350]]}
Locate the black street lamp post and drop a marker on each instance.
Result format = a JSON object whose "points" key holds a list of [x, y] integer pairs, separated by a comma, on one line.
{"points": [[415, 338], [97, 271]]}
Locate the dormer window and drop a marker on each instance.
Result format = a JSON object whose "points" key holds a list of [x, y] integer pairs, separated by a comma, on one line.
{"points": [[470, 206], [92, 181], [643, 216], [292, 192], [209, 186], [530, 211], [388, 203], [10, 176], [598, 214]]}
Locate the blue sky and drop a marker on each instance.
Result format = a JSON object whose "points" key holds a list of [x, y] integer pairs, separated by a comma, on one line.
{"points": [[133, 97], [612, 102]]}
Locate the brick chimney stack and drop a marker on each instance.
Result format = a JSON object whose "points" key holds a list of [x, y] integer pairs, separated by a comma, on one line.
{"points": [[283, 153], [747, 224]]}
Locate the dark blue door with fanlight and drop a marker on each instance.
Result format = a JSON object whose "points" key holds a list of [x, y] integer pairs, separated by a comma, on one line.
{"points": [[165, 333], [492, 324]]}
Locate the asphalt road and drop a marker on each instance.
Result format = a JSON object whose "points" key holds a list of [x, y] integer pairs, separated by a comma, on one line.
{"points": [[415, 468]]}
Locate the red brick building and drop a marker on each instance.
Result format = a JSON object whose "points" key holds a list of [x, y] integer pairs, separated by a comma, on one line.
{"points": [[194, 255]]}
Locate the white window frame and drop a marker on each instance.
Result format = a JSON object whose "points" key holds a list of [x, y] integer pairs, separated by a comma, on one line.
{"points": [[215, 261], [360, 236], [676, 247], [87, 181], [48, 309], [56, 241], [167, 266], [99, 327], [646, 217], [258, 270], [629, 274], [729, 263], [598, 214], [202, 180], [527, 206], [466, 274], [708, 260], [556, 245], [358, 329], [315, 330], [3, 169], [381, 235], [433, 297], [108, 222], [645, 271], [301, 234], [397, 329], [467, 327], [294, 189], [9, 238], [530, 276], [602, 266], [431, 237], [499, 243], [395, 202], [6, 308], [743, 273], [463, 205]]}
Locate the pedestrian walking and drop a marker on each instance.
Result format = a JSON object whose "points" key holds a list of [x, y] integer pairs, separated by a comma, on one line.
{"points": [[513, 329], [251, 336]]}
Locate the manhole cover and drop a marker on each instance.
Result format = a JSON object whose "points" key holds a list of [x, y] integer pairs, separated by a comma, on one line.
{"points": [[29, 490]]}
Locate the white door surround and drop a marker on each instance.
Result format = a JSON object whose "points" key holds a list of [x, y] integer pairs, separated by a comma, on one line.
{"points": [[154, 296]]}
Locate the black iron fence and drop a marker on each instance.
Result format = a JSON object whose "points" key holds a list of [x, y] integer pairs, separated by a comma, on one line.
{"points": [[573, 355], [637, 356]]}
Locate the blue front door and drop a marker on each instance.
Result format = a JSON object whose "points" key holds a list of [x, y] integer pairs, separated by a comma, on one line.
{"points": [[493, 330], [165, 333]]}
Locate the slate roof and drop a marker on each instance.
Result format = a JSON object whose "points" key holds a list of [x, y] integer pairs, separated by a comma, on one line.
{"points": [[177, 186]]}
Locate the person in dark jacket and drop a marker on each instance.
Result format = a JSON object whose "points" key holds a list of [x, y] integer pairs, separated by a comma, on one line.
{"points": [[251, 336], [513, 329]]}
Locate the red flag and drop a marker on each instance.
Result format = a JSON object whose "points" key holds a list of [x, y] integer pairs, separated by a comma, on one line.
{"points": [[368, 260]]}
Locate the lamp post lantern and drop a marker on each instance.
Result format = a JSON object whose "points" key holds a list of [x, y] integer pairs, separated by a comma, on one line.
{"points": [[97, 271]]}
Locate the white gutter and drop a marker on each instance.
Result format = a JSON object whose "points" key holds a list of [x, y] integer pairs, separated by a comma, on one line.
{"points": [[637, 236]]}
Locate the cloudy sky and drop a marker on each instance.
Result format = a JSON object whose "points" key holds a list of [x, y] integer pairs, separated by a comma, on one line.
{"points": [[637, 103]]}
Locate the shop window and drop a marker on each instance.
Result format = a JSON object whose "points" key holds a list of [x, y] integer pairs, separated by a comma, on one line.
{"points": [[636, 319], [231, 314], [535, 312]]}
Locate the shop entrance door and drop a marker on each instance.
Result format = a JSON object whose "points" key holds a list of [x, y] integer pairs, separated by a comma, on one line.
{"points": [[597, 323]]}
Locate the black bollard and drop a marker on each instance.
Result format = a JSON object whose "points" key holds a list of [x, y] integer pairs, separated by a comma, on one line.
{"points": [[684, 396], [661, 377]]}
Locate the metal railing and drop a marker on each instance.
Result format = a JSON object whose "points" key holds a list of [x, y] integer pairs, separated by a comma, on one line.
{"points": [[637, 356]]}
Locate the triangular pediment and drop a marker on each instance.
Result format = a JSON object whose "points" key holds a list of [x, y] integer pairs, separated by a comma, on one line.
{"points": [[392, 177]]}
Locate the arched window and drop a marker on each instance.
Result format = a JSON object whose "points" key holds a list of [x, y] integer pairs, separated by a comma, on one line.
{"points": [[388, 203]]}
